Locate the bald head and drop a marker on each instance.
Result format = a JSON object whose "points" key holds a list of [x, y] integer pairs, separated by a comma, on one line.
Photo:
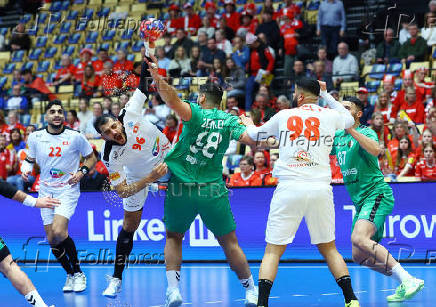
{"points": [[343, 49]]}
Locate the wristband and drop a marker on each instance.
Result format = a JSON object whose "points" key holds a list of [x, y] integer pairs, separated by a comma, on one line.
{"points": [[84, 169], [29, 201]]}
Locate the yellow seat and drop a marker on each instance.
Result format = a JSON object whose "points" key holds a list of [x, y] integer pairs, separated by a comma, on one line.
{"points": [[122, 8], [415, 65], [66, 89], [110, 2], [139, 7], [95, 2]]}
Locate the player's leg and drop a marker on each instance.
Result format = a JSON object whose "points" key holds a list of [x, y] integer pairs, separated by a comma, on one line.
{"points": [[131, 222], [18, 278]]}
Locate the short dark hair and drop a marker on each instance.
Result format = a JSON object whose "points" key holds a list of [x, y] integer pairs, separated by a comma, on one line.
{"points": [[53, 103], [26, 71], [309, 85], [213, 92], [248, 159], [101, 120], [268, 10], [73, 112], [173, 117], [356, 101], [136, 64]]}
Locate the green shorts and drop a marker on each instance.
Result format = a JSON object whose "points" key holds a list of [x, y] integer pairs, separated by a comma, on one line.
{"points": [[184, 201], [4, 250], [375, 209]]}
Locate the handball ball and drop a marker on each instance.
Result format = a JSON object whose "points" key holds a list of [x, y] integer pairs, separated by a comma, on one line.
{"points": [[152, 29]]}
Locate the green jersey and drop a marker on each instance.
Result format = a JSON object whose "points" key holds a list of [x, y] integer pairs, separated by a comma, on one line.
{"points": [[198, 155], [360, 169]]}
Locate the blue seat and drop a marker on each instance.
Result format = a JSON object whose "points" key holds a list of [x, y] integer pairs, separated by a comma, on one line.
{"points": [[55, 6], [17, 56], [65, 5], [91, 38], [88, 13], [130, 57], [79, 1], [26, 18], [49, 28], [57, 65], [109, 35], [184, 83], [398, 83], [69, 50], [81, 25], [114, 58], [4, 31], [76, 62], [377, 71], [123, 45], [9, 68], [373, 99], [104, 12], [72, 15], [373, 86], [137, 46], [41, 41], [41, 17], [313, 5], [127, 34], [59, 39], [35, 54], [233, 161], [50, 52], [28, 65], [50, 77], [65, 27], [33, 31], [259, 8], [395, 69], [43, 66], [55, 17], [74, 38], [105, 46], [3, 81]]}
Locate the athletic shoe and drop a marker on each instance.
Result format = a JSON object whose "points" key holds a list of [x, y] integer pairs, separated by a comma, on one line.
{"points": [[174, 298], [251, 297], [406, 290], [79, 284], [113, 288], [69, 283], [353, 303]]}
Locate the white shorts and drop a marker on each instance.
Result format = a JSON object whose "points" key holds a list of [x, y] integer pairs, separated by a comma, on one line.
{"points": [[68, 198], [136, 201], [294, 200]]}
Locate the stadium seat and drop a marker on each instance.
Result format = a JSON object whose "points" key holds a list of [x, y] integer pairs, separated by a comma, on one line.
{"points": [[41, 41], [127, 34], [398, 83], [106, 46], [3, 81], [33, 31], [26, 18], [17, 56], [415, 65], [377, 71], [373, 86], [122, 45], [41, 17], [35, 54], [59, 39], [50, 52], [56, 6], [74, 38], [65, 27], [81, 25], [4, 31], [88, 13], [28, 65], [184, 83], [69, 50], [395, 69], [313, 5], [76, 62], [104, 12], [137, 46], [57, 65], [109, 35], [65, 5], [55, 17], [233, 161], [373, 99], [91, 38], [130, 57], [9, 68], [72, 15], [114, 58], [79, 2], [43, 66], [49, 28]]}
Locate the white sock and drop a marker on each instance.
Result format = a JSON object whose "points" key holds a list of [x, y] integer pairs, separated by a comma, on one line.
{"points": [[248, 283], [400, 274], [173, 278], [35, 299]]}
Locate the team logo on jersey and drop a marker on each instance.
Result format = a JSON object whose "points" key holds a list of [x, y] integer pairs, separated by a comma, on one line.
{"points": [[155, 150], [56, 173], [114, 176], [302, 156], [65, 143], [130, 124]]}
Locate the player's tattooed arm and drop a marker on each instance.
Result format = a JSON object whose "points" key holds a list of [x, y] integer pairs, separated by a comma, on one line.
{"points": [[371, 146], [168, 93], [125, 190]]}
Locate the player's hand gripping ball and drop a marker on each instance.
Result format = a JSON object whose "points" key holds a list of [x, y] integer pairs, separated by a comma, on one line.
{"points": [[152, 30]]}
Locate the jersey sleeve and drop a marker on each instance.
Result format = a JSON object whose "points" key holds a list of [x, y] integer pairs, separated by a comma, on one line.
{"points": [[136, 102], [31, 153], [83, 146], [236, 128], [196, 118], [370, 133], [270, 128]]}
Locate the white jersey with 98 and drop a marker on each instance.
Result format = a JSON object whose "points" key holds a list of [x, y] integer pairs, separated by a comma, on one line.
{"points": [[306, 136], [58, 156]]}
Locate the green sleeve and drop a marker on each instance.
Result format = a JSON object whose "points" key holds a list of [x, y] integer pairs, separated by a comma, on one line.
{"points": [[195, 120], [422, 47], [236, 129], [333, 151], [370, 133], [403, 50]]}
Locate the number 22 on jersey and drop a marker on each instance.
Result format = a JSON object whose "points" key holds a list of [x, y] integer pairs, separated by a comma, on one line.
{"points": [[310, 128], [55, 152]]}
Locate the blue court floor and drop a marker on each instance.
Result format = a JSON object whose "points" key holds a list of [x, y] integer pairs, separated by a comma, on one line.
{"points": [[216, 285]]}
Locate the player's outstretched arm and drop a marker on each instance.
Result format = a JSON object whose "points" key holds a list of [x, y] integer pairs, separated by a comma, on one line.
{"points": [[370, 145], [336, 105], [258, 144], [125, 190], [9, 191], [168, 93]]}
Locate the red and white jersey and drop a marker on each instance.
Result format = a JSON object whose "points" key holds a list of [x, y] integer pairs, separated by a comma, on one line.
{"points": [[426, 171], [192, 24], [145, 148], [58, 155], [306, 135]]}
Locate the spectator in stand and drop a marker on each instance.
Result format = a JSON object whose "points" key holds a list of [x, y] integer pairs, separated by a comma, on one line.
{"points": [[401, 94], [85, 60], [429, 30], [248, 24], [207, 28], [20, 40], [426, 137], [262, 104], [241, 54], [413, 107], [415, 48], [195, 57], [72, 120], [261, 164], [3, 125], [222, 43], [103, 56], [35, 87], [260, 58], [262, 37], [247, 177], [230, 15], [362, 95], [131, 82], [162, 61], [18, 103], [202, 41], [89, 131], [174, 21], [191, 20], [107, 105], [399, 131], [172, 129], [269, 4], [320, 74], [384, 107], [232, 104], [122, 65], [110, 81], [66, 74], [345, 65], [180, 66], [405, 159], [382, 130], [423, 88], [14, 122], [158, 112], [404, 32], [283, 103], [219, 72], [336, 170], [299, 71], [167, 43], [205, 64], [211, 9], [388, 87], [90, 83], [322, 56], [331, 24], [228, 32], [115, 109], [93, 181], [289, 6], [17, 78], [183, 41], [272, 100], [29, 130], [271, 30], [123, 100], [426, 168], [17, 142], [290, 42], [6, 159], [268, 179], [235, 84], [389, 49], [84, 115]]}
